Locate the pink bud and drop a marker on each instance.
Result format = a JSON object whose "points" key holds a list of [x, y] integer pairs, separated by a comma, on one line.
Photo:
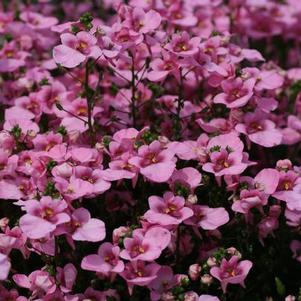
{"points": [[192, 199], [284, 165], [233, 251], [275, 211], [4, 223], [194, 271], [206, 279], [211, 261], [191, 296], [290, 298], [119, 233], [167, 297]]}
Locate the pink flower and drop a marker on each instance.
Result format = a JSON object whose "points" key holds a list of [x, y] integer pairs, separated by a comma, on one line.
{"points": [[39, 282], [267, 180], [105, 261], [43, 217], [85, 228], [259, 129], [293, 217], [4, 266], [145, 22], [75, 49], [37, 21], [167, 211], [191, 150], [139, 273], [249, 199], [226, 156], [208, 218], [269, 80], [155, 163], [66, 277], [182, 45], [232, 271], [236, 92], [289, 189], [208, 298], [161, 68], [95, 179], [187, 177], [163, 282], [146, 247], [11, 58]]}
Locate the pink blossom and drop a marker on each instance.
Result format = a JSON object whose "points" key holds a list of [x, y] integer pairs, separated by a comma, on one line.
{"points": [[75, 49], [231, 272], [39, 282], [161, 68], [208, 298], [140, 273], [208, 218], [106, 261], [66, 277], [38, 21], [42, 217], [5, 266], [85, 228], [226, 156], [236, 92], [166, 211], [146, 247], [155, 163], [247, 200], [260, 130], [181, 44], [145, 22], [163, 282]]}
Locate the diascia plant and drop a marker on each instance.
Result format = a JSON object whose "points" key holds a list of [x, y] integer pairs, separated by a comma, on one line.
{"points": [[150, 150]]}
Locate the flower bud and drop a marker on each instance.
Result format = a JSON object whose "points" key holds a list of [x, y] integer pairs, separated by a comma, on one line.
{"points": [[119, 233], [211, 261], [290, 298], [4, 223], [233, 251], [167, 297], [194, 271], [192, 199], [206, 279], [191, 296]]}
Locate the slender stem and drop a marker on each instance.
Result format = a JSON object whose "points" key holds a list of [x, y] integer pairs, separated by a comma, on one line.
{"points": [[120, 75], [71, 74], [133, 98], [178, 246], [89, 96], [180, 103], [144, 68], [72, 114]]}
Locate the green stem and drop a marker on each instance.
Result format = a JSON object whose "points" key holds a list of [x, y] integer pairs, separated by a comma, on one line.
{"points": [[133, 98], [178, 247], [89, 93], [180, 103]]}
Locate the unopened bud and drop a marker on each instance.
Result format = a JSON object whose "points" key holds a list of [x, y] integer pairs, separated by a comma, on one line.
{"points": [[192, 199], [194, 271], [206, 279]]}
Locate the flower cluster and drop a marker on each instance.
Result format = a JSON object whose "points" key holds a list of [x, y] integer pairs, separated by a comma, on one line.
{"points": [[150, 149]]}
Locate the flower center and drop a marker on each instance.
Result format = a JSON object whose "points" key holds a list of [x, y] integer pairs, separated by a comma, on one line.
{"points": [[48, 213], [287, 185]]}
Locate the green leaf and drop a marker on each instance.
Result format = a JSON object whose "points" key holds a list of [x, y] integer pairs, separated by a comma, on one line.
{"points": [[279, 287]]}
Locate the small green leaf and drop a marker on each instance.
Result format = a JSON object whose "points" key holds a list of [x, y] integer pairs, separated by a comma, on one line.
{"points": [[279, 287]]}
